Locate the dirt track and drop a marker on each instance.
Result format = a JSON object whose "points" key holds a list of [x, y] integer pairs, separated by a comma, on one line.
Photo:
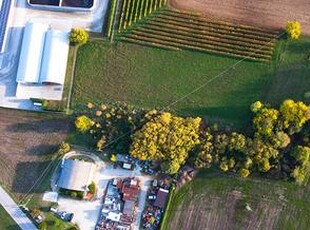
{"points": [[263, 13], [27, 142]]}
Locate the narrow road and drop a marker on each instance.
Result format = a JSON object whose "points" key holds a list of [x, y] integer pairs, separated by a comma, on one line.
{"points": [[15, 212]]}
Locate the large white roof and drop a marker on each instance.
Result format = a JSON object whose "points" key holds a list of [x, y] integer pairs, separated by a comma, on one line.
{"points": [[55, 55], [44, 55], [76, 175], [31, 53]]}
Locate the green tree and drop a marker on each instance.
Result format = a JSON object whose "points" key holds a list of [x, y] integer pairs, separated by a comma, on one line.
{"points": [[79, 36], [293, 30], [83, 123]]}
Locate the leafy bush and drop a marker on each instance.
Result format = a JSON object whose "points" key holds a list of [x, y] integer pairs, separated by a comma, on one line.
{"points": [[53, 105], [244, 173], [80, 194], [83, 123], [79, 36], [73, 194], [92, 188], [293, 29], [64, 147]]}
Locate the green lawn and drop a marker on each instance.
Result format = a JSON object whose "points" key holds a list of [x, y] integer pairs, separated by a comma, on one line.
{"points": [[6, 222], [219, 202], [150, 77], [292, 77]]}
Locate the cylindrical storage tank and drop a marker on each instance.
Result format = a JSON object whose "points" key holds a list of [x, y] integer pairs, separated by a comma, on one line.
{"points": [[31, 53]]}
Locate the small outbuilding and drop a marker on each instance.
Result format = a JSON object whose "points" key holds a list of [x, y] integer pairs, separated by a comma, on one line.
{"points": [[162, 197], [76, 175]]}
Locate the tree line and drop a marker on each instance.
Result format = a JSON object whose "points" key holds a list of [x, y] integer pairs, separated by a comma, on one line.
{"points": [[278, 144]]}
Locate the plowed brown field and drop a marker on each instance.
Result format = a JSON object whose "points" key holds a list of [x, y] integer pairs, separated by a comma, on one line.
{"points": [[271, 14], [28, 141]]}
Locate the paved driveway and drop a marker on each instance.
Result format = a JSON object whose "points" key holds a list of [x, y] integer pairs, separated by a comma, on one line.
{"points": [[15, 212]]}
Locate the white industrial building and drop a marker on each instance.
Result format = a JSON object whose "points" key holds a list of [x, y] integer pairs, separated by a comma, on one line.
{"points": [[42, 62]]}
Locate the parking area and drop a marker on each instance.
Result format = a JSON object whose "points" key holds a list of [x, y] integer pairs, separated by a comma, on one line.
{"points": [[86, 213]]}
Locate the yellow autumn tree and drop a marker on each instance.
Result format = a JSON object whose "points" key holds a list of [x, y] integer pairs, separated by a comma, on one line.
{"points": [[79, 36], [293, 29], [295, 114], [166, 137], [244, 173], [83, 123]]}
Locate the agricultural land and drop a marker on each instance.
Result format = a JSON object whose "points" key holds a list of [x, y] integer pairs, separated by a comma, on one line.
{"points": [[28, 141], [215, 201], [182, 59]]}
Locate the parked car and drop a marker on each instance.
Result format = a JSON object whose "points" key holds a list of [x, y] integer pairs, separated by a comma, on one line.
{"points": [[151, 197], [39, 219], [68, 217], [54, 209]]}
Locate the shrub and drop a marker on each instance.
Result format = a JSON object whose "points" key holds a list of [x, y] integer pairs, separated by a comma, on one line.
{"points": [[64, 147], [53, 105], [256, 106], [92, 188], [244, 173], [293, 30], [113, 158], [73, 194], [80, 194], [83, 123], [79, 36]]}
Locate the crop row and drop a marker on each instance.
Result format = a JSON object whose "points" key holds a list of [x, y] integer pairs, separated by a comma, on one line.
{"points": [[197, 43], [199, 18], [219, 24], [111, 17], [221, 32], [213, 27], [206, 40], [142, 41], [208, 35], [134, 10], [151, 40]]}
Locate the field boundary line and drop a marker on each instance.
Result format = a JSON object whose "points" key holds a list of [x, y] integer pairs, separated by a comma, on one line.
{"points": [[72, 79]]}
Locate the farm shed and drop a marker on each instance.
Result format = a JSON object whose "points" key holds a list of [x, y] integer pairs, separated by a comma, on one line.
{"points": [[55, 55], [161, 199], [44, 55], [31, 53], [76, 175]]}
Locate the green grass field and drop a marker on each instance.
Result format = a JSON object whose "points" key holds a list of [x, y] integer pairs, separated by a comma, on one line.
{"points": [[6, 221], [219, 202], [151, 77]]}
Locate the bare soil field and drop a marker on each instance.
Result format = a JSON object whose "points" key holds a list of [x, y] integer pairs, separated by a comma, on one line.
{"points": [[28, 141], [225, 203], [271, 14]]}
